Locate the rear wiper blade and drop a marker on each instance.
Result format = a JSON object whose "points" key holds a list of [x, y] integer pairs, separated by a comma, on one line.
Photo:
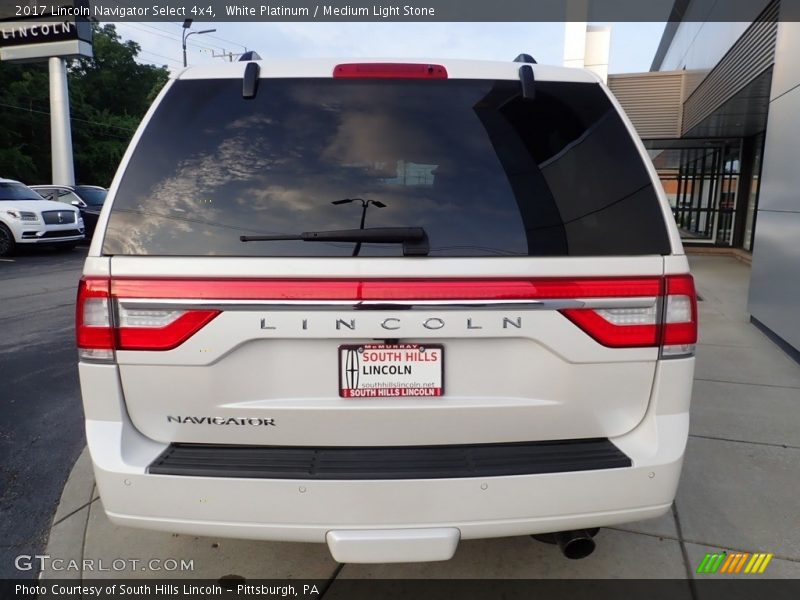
{"points": [[414, 239]]}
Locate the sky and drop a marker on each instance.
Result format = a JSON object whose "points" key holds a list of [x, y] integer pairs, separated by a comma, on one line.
{"points": [[633, 45]]}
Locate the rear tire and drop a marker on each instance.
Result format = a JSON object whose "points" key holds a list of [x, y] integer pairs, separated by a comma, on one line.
{"points": [[7, 243]]}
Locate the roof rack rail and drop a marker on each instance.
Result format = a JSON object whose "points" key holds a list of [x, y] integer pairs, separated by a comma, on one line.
{"points": [[525, 58], [250, 55]]}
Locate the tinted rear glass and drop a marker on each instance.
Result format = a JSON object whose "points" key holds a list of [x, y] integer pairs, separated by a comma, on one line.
{"points": [[482, 170]]}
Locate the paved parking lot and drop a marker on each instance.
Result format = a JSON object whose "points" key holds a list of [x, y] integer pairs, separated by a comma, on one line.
{"points": [[41, 428], [738, 490]]}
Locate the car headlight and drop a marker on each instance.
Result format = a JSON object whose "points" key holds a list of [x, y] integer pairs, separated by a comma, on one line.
{"points": [[23, 215]]}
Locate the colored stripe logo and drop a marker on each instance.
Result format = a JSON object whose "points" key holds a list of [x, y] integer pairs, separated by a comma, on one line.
{"points": [[733, 563]]}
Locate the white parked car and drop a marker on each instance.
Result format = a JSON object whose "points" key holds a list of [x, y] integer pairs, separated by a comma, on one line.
{"points": [[27, 218], [386, 306]]}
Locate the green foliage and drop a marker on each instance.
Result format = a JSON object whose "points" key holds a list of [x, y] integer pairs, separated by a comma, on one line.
{"points": [[24, 122], [109, 95]]}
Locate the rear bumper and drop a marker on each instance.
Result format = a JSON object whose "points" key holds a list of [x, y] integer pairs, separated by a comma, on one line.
{"points": [[308, 510]]}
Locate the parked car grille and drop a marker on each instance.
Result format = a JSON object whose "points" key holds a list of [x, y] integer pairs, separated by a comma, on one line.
{"points": [[61, 234], [58, 217]]}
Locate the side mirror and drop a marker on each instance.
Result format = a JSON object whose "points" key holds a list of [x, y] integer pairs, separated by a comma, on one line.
{"points": [[78, 203]]}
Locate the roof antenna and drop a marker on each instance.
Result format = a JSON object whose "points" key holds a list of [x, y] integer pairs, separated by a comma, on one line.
{"points": [[249, 55], [525, 58]]}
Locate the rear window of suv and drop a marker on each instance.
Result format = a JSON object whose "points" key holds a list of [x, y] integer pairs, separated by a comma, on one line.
{"points": [[482, 170]]}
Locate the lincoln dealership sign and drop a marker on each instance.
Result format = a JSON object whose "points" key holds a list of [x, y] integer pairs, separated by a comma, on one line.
{"points": [[45, 35], [21, 34]]}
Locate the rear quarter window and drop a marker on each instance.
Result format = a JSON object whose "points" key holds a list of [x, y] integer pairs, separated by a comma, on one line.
{"points": [[482, 170]]}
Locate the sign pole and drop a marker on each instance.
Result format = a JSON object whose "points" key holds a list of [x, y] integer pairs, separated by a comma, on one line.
{"points": [[60, 130]]}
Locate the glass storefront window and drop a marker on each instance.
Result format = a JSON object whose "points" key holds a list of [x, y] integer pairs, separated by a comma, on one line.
{"points": [[701, 183], [729, 186], [752, 197]]}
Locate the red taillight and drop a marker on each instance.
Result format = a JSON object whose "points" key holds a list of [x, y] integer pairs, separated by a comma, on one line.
{"points": [[166, 337], [389, 71], [680, 315], [98, 335], [669, 322], [93, 317], [612, 334], [623, 312]]}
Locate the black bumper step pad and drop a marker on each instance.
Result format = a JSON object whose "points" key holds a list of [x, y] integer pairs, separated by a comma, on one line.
{"points": [[389, 462]]}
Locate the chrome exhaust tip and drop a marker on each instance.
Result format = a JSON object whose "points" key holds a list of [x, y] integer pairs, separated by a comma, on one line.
{"points": [[575, 544]]}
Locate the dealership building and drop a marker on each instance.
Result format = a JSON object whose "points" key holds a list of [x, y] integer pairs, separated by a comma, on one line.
{"points": [[719, 113]]}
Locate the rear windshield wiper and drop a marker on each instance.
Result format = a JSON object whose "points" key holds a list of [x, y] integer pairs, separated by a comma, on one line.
{"points": [[414, 239]]}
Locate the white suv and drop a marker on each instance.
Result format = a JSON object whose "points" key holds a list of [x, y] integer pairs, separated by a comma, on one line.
{"points": [[27, 218], [386, 306]]}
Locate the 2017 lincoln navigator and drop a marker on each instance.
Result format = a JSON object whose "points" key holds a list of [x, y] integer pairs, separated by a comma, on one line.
{"points": [[386, 306]]}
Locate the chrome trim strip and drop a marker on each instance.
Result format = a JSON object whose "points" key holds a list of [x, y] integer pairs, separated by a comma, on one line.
{"points": [[389, 305], [639, 302]]}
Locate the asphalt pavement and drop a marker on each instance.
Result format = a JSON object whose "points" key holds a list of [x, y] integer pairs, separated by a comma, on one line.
{"points": [[41, 417]]}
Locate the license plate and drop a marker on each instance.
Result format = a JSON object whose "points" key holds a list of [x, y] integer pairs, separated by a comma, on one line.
{"points": [[391, 370]]}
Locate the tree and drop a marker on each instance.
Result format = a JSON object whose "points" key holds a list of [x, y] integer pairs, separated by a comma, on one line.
{"points": [[109, 94], [24, 121]]}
